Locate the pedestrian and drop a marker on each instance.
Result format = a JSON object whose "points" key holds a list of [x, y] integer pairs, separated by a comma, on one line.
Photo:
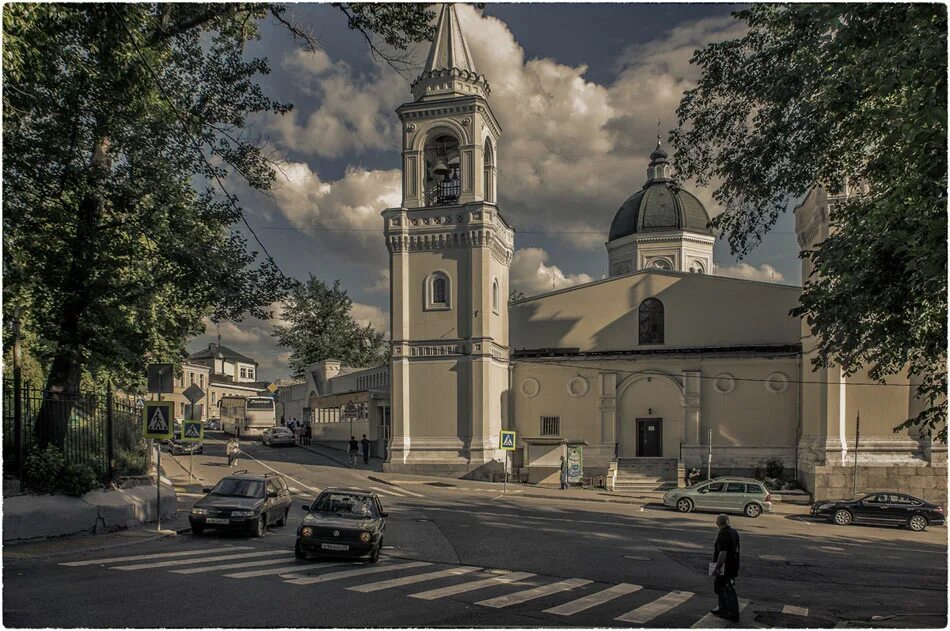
{"points": [[365, 445], [726, 558], [563, 473], [282, 423], [354, 450], [308, 434], [234, 446], [694, 476]]}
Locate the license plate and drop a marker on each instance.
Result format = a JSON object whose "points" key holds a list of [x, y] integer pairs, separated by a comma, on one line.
{"points": [[218, 520], [335, 546]]}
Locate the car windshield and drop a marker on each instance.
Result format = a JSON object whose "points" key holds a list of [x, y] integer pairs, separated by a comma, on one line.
{"points": [[345, 505], [233, 487]]}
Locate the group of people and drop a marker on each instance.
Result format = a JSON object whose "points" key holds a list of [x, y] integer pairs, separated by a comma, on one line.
{"points": [[356, 446], [303, 433]]}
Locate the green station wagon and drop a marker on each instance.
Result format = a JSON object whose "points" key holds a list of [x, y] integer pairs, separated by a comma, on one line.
{"points": [[724, 495]]}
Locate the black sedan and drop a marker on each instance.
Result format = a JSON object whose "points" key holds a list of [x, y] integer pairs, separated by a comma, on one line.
{"points": [[881, 508], [342, 522], [245, 502]]}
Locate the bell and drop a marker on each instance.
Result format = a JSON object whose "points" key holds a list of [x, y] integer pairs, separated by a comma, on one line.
{"points": [[440, 170]]}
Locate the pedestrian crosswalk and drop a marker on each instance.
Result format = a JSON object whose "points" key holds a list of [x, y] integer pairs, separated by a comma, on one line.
{"points": [[557, 597]]}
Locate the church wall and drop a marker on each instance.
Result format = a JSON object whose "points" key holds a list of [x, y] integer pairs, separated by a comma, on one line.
{"points": [[439, 324], [700, 311], [439, 409]]}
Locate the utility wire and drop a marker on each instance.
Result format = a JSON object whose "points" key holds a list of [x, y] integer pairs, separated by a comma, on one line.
{"points": [[663, 374], [379, 230], [195, 144]]}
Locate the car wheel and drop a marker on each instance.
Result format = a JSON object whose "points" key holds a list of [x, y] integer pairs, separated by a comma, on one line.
{"points": [[917, 523], [684, 505], [260, 527], [752, 510], [197, 530], [842, 517], [298, 551], [283, 520]]}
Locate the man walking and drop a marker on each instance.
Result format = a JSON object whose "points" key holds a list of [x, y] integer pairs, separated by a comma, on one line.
{"points": [[234, 446], [354, 450], [365, 445], [726, 558], [307, 434], [563, 473]]}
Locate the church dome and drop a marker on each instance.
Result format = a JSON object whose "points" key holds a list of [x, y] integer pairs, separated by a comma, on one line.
{"points": [[660, 206]]}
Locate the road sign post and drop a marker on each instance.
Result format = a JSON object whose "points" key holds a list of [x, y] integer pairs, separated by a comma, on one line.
{"points": [[158, 418], [351, 411], [192, 431], [507, 441]]}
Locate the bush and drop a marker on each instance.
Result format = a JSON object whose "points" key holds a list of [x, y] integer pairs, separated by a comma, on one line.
{"points": [[774, 468], [44, 468], [46, 471]]}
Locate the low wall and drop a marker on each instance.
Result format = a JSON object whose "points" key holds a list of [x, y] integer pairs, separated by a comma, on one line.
{"points": [[736, 460], [836, 481]]}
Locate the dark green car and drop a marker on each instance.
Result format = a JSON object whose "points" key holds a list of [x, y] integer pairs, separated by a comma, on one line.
{"points": [[342, 522], [244, 501], [722, 495]]}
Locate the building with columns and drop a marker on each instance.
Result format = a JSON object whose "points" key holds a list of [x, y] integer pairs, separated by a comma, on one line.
{"points": [[638, 375]]}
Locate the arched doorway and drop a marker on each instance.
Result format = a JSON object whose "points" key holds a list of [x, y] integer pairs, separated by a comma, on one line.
{"points": [[649, 416]]}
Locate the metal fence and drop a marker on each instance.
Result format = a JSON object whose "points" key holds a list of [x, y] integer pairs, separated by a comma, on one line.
{"points": [[103, 431]]}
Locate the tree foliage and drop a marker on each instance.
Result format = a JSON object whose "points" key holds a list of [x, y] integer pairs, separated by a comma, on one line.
{"points": [[836, 94], [320, 326], [120, 123]]}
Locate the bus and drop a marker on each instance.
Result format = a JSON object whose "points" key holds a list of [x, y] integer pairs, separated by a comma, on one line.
{"points": [[247, 416]]}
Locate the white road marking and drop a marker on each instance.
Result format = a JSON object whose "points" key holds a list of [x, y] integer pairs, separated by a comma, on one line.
{"points": [[415, 578], [795, 611], [452, 590], [535, 592], [226, 557], [229, 566], [599, 598], [412, 493], [333, 576], [161, 555], [712, 621], [387, 492], [280, 473], [649, 611], [288, 570]]}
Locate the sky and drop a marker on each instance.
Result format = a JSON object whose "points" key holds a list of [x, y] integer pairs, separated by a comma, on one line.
{"points": [[578, 90]]}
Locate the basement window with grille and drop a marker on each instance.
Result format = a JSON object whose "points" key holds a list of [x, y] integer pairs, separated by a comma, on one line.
{"points": [[550, 425]]}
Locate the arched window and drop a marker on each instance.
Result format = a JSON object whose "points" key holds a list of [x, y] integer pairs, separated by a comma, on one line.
{"points": [[489, 172], [651, 321], [443, 176], [494, 295], [438, 292], [696, 267], [661, 263]]}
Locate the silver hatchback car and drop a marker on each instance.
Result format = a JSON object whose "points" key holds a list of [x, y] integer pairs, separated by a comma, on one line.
{"points": [[733, 495]]}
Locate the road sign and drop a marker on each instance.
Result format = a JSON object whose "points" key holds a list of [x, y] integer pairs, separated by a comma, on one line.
{"points": [[192, 431], [161, 378], [508, 440], [351, 410], [193, 393], [158, 419], [272, 388]]}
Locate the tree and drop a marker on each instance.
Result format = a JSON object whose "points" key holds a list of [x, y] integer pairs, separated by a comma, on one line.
{"points": [[320, 327], [829, 94], [121, 121], [516, 295]]}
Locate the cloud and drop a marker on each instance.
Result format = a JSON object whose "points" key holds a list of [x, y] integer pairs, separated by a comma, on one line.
{"points": [[370, 314], [381, 285], [530, 273], [355, 112], [763, 272]]}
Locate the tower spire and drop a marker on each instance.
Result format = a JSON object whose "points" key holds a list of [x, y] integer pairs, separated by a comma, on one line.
{"points": [[450, 67]]}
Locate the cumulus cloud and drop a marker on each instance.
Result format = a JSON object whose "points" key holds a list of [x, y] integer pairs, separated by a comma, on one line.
{"points": [[381, 285], [531, 274], [763, 272], [370, 314]]}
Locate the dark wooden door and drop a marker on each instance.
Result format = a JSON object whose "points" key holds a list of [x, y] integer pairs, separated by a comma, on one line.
{"points": [[650, 437]]}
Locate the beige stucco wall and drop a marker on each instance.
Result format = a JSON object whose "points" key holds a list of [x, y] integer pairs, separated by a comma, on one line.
{"points": [[700, 311]]}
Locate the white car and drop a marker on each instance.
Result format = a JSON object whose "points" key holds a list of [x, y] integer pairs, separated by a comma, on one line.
{"points": [[278, 436]]}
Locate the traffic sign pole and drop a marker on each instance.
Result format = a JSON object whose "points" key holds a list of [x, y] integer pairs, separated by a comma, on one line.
{"points": [[158, 465]]}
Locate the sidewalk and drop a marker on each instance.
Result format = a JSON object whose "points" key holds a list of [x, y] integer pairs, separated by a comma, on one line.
{"points": [[341, 457]]}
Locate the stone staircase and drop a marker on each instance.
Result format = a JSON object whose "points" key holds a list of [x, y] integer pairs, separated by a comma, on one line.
{"points": [[644, 476]]}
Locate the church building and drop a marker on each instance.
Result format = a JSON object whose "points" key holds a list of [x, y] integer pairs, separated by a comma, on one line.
{"points": [[634, 377]]}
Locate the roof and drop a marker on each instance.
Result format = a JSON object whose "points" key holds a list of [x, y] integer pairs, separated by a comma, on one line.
{"points": [[659, 207], [449, 49], [213, 349]]}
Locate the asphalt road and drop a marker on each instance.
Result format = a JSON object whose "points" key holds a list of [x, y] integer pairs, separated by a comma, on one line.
{"points": [[464, 554]]}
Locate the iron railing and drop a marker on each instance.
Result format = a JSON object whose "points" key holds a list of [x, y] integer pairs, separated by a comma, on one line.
{"points": [[102, 430]]}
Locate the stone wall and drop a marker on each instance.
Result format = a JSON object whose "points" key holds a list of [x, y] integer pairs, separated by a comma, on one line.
{"points": [[834, 481], [736, 460]]}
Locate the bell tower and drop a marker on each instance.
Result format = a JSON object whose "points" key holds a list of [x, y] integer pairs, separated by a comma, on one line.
{"points": [[450, 250]]}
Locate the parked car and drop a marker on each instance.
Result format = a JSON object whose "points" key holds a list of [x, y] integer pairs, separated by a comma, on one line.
{"points": [[895, 509], [737, 495], [244, 501], [177, 447], [278, 436], [342, 522], [213, 424]]}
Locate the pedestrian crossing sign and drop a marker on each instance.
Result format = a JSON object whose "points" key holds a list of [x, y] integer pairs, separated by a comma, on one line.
{"points": [[158, 419], [192, 431], [508, 440]]}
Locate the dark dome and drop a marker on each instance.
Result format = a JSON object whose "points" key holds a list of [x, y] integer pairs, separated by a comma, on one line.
{"points": [[658, 207]]}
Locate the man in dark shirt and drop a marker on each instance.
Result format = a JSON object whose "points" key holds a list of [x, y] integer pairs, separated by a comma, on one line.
{"points": [[365, 445], [726, 558], [354, 450]]}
